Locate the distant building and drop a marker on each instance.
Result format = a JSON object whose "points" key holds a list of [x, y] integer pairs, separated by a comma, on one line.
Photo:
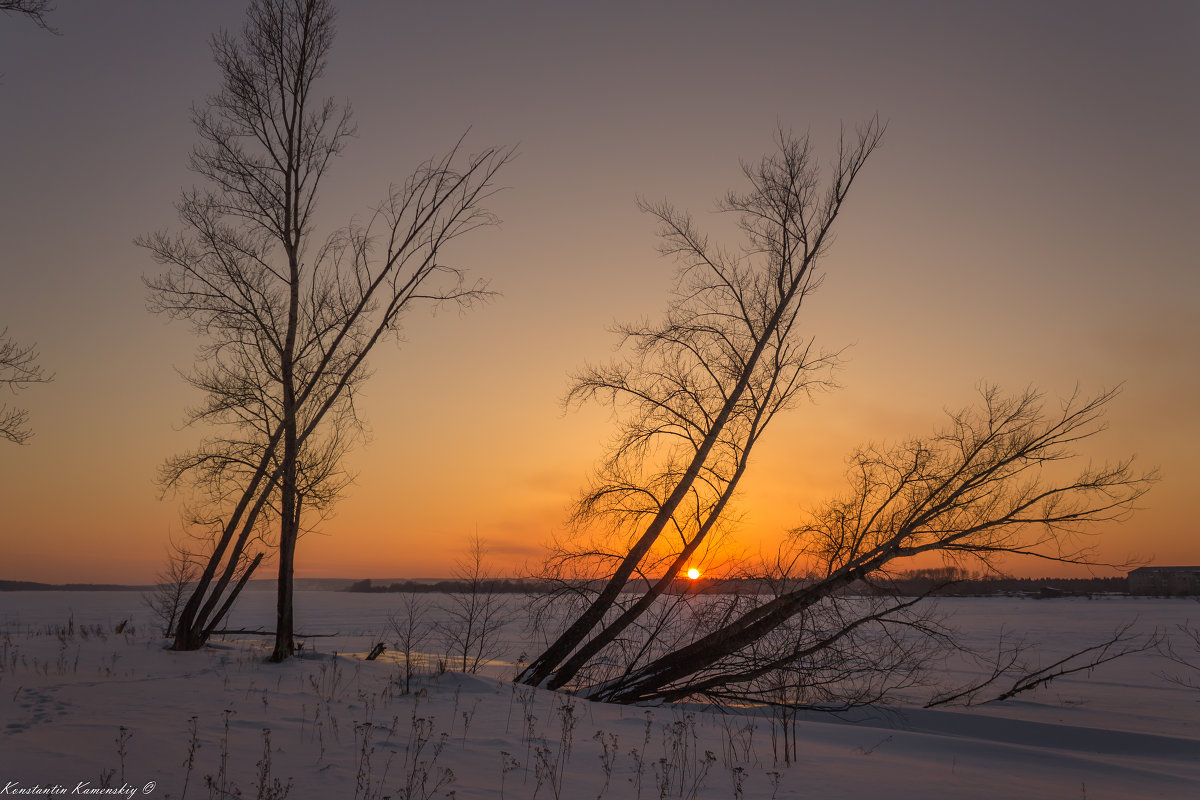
{"points": [[1165, 581]]}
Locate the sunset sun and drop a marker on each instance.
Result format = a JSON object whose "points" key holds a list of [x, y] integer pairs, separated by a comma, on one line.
{"points": [[693, 573]]}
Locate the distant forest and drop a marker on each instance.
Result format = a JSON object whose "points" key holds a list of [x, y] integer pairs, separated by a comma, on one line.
{"points": [[492, 585], [913, 584], [32, 586], [908, 585]]}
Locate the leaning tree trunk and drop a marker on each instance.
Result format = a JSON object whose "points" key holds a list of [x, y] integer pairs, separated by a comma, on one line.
{"points": [[190, 630], [542, 670], [788, 223], [650, 681], [611, 631], [233, 595]]}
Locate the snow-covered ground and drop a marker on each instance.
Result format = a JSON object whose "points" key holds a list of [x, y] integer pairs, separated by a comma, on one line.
{"points": [[84, 707]]}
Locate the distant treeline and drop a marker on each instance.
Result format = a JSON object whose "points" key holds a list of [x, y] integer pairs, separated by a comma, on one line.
{"points": [[922, 585], [31, 586], [496, 585], [912, 585], [1028, 586]]}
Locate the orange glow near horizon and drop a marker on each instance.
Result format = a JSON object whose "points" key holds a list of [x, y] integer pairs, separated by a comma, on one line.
{"points": [[466, 431]]}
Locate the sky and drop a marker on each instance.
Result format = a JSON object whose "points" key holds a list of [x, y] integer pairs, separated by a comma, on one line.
{"points": [[1031, 219]]}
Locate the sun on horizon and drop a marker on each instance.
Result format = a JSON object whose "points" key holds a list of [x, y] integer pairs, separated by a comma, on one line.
{"points": [[693, 573]]}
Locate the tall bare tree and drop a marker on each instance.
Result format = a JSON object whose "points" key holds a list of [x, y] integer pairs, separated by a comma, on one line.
{"points": [[18, 369], [698, 389], [289, 319]]}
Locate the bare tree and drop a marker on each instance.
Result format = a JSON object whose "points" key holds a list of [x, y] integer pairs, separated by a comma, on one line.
{"points": [[35, 10], [413, 630], [167, 597], [993, 482], [474, 615], [289, 320], [18, 369], [698, 389]]}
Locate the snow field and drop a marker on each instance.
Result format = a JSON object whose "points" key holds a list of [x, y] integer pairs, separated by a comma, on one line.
{"points": [[84, 707]]}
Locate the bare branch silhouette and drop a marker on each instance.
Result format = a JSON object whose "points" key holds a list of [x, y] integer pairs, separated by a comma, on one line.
{"points": [[18, 369], [696, 390], [35, 10], [992, 481]]}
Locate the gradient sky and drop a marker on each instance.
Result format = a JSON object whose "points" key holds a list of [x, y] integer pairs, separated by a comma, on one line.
{"points": [[1031, 218]]}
